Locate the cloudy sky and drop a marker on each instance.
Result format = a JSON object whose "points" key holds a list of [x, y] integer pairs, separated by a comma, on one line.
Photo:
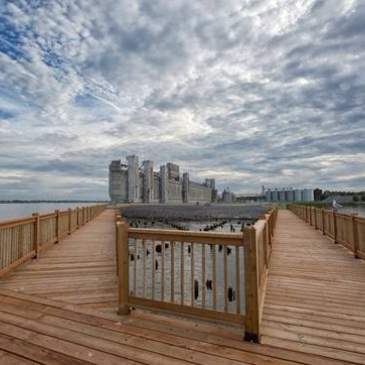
{"points": [[250, 92]]}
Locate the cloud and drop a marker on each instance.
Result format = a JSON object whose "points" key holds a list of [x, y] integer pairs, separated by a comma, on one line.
{"points": [[251, 93]]}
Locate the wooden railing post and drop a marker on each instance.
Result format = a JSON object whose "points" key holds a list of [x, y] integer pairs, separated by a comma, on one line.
{"points": [[310, 215], [123, 261], [355, 234], [315, 218], [69, 220], [57, 212], [334, 227], [323, 222], [252, 320], [270, 228], [77, 218], [118, 218], [36, 238]]}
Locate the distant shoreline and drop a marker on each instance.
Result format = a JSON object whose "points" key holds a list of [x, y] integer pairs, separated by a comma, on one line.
{"points": [[50, 201]]}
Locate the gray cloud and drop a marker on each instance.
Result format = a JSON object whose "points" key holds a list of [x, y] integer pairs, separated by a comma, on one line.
{"points": [[250, 94]]}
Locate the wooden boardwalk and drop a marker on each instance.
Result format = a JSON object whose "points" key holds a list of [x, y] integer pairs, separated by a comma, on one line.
{"points": [[79, 270], [61, 308], [315, 298]]}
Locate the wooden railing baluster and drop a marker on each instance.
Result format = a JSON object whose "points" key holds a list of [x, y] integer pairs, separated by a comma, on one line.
{"points": [[203, 275], [36, 234], [162, 271], [214, 276], [144, 268], [225, 288], [153, 267], [172, 271], [182, 272], [192, 274], [355, 235], [238, 284], [334, 227], [135, 268]]}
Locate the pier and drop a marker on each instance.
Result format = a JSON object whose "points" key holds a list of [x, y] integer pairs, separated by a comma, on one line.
{"points": [[304, 295]]}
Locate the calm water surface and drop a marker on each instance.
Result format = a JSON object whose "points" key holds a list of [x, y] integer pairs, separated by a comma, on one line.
{"points": [[19, 210], [353, 210]]}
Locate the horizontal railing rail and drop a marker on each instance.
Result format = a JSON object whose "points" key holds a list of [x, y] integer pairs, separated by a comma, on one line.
{"points": [[219, 276], [345, 229], [23, 239]]}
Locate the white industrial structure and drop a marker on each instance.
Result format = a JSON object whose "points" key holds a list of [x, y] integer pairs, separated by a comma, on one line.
{"points": [[289, 195]]}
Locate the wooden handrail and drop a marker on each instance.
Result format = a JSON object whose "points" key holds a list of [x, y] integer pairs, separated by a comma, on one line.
{"points": [[198, 237], [346, 229], [25, 238], [185, 251], [14, 222]]}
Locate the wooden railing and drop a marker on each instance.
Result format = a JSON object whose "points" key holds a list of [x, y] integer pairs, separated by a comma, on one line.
{"points": [[257, 259], [219, 276], [23, 239], [346, 229]]}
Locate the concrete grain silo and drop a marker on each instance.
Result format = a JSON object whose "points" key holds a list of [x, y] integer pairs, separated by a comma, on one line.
{"points": [[290, 195], [308, 195], [282, 197], [297, 195]]}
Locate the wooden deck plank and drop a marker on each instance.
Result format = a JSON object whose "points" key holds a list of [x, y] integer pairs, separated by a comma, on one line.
{"points": [[172, 333], [61, 309], [77, 270], [7, 358], [34, 354], [315, 299]]}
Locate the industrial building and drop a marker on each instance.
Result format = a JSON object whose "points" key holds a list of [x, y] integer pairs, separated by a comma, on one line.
{"points": [[228, 196], [289, 195], [131, 183]]}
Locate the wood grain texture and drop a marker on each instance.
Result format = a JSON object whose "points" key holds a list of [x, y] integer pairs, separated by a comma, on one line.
{"points": [[315, 299], [80, 269], [62, 309], [41, 331]]}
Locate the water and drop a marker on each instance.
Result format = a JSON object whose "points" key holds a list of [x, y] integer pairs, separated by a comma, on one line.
{"points": [[20, 210], [217, 225], [140, 283], [360, 210]]}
